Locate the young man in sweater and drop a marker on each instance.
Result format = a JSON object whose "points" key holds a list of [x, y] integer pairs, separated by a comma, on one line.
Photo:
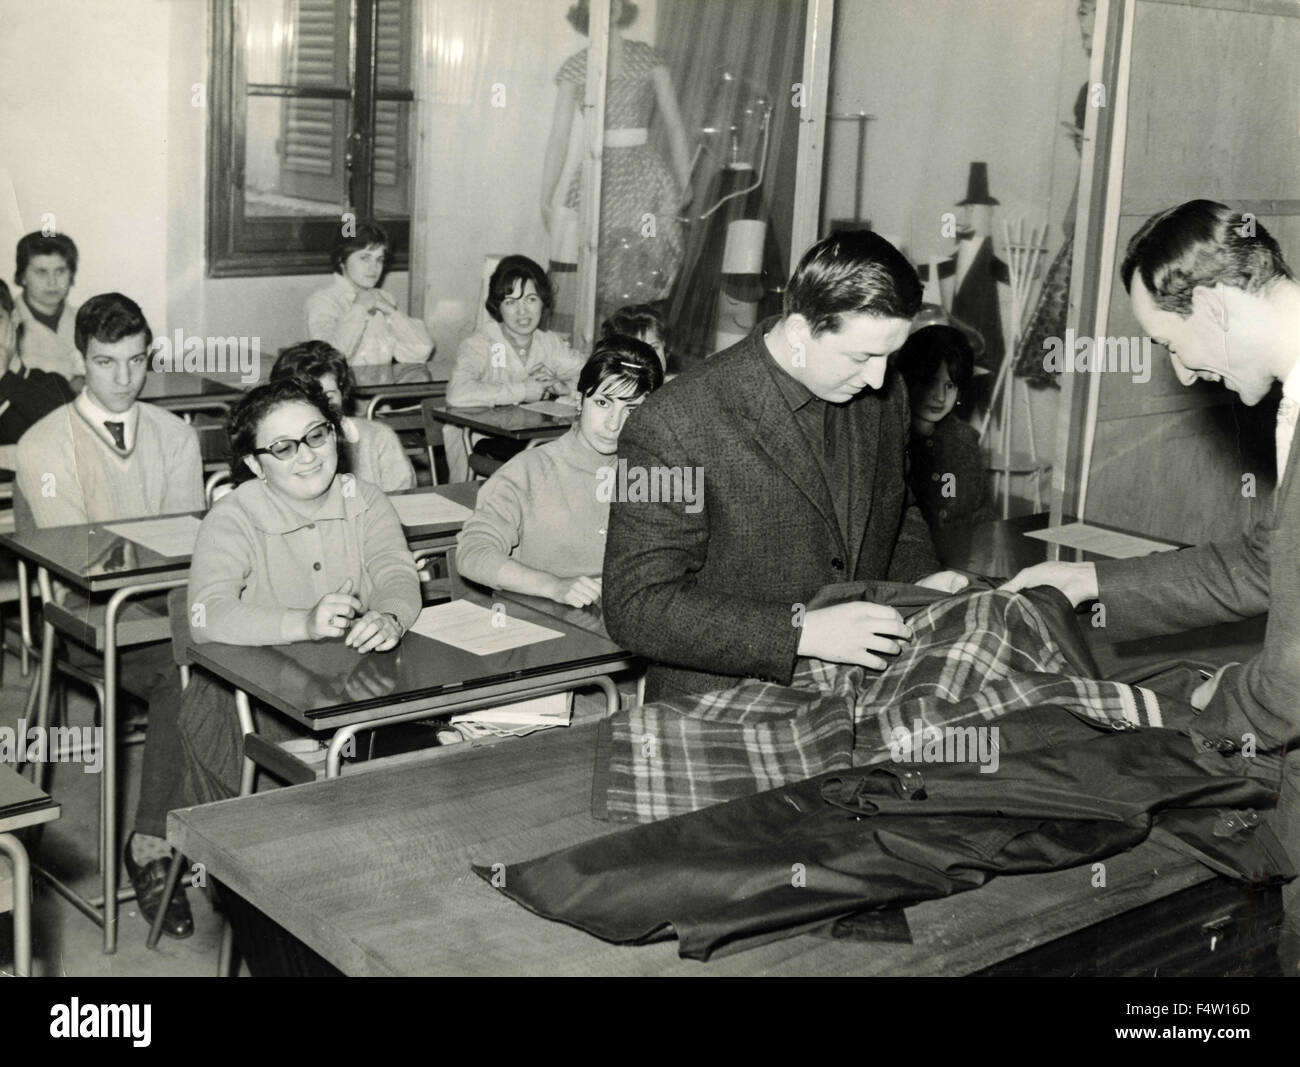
{"points": [[106, 457]]}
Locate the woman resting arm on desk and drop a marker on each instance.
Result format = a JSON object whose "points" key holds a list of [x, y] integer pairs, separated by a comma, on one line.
{"points": [[297, 552], [539, 527]]}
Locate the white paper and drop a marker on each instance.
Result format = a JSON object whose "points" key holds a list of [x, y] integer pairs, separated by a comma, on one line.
{"points": [[420, 509], [172, 536], [555, 408], [552, 710], [1109, 543], [479, 630]]}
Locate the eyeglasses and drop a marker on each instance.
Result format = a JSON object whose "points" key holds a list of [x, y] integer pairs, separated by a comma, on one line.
{"points": [[286, 448]]}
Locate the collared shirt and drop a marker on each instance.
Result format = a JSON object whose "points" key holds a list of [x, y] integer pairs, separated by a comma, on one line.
{"points": [[1286, 418], [96, 415], [818, 421]]}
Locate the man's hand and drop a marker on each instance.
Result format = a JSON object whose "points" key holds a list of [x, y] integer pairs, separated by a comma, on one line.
{"points": [[578, 592], [1078, 581], [944, 581], [854, 633]]}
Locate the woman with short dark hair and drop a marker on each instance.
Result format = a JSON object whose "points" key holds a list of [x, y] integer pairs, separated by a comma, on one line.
{"points": [[355, 315]]}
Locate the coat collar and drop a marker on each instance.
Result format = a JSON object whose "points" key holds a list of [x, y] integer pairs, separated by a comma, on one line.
{"points": [[271, 514]]}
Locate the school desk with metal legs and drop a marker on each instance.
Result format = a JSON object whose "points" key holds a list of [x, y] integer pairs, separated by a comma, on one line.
{"points": [[21, 805]]}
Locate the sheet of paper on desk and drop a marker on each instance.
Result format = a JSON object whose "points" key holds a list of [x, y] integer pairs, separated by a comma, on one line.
{"points": [[1110, 543], [479, 630], [172, 536], [557, 409], [419, 509]]}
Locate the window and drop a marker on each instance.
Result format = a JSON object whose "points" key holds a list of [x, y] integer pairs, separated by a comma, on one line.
{"points": [[311, 109]]}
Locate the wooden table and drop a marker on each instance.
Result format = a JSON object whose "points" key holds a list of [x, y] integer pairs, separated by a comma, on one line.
{"points": [[93, 561], [373, 872], [21, 805], [511, 421], [326, 686]]}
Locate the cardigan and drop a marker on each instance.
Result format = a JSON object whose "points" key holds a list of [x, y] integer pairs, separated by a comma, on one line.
{"points": [[365, 339], [69, 473], [45, 349], [541, 509], [479, 381], [258, 562], [375, 454]]}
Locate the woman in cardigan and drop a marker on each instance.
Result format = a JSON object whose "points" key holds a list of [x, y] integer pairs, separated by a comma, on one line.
{"points": [[297, 552], [539, 527], [370, 448]]}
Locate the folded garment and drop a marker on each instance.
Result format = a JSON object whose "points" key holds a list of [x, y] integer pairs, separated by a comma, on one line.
{"points": [[972, 659], [1068, 789]]}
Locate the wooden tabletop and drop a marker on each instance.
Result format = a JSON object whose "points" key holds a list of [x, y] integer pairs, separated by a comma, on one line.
{"points": [[373, 872], [512, 421], [21, 803], [324, 684]]}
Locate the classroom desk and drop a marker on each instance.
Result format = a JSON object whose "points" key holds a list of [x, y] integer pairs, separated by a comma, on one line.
{"points": [[511, 421], [94, 561], [325, 686], [372, 872], [185, 391], [410, 382], [21, 805]]}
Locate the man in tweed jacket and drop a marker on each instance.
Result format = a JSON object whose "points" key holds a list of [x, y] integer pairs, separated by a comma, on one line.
{"points": [[1211, 286], [795, 437]]}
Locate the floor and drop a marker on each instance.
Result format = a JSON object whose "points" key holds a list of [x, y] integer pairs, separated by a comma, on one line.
{"points": [[65, 942]]}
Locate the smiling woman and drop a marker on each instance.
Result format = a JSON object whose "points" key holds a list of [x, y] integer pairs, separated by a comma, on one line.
{"points": [[297, 552]]}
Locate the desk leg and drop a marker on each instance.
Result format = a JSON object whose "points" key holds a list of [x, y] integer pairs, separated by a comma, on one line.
{"points": [[611, 694], [108, 779], [12, 847], [40, 770], [248, 769]]}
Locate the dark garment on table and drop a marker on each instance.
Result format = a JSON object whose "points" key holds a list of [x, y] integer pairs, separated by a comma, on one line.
{"points": [[953, 448], [1066, 792], [27, 397], [709, 594]]}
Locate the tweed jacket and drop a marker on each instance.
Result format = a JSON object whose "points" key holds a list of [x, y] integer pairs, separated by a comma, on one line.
{"points": [[714, 591], [1254, 573]]}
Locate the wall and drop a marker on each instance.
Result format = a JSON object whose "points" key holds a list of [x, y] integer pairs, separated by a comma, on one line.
{"points": [[104, 90]]}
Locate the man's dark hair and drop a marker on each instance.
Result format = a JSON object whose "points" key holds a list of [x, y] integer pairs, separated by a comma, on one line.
{"points": [[315, 359], [514, 270], [852, 273], [38, 244], [109, 317], [1201, 242], [368, 235], [922, 353], [630, 361], [251, 408]]}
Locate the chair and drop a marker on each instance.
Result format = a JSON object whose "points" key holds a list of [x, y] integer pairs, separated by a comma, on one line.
{"points": [[219, 483], [453, 438]]}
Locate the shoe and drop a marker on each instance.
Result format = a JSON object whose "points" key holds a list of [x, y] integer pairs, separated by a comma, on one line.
{"points": [[149, 882]]}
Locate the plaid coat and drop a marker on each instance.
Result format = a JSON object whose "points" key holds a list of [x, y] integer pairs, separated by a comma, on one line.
{"points": [[709, 596]]}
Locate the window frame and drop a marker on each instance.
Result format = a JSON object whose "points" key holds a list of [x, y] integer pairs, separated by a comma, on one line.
{"points": [[238, 246]]}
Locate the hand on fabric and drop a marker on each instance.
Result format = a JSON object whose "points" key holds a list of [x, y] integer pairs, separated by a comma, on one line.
{"points": [[374, 632], [332, 613], [533, 391], [1078, 581], [1204, 693], [853, 633], [944, 581], [579, 592]]}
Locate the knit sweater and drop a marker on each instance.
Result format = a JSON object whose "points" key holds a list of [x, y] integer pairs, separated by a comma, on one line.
{"points": [[365, 339], [542, 510], [258, 560], [68, 473], [45, 349], [376, 455], [489, 373]]}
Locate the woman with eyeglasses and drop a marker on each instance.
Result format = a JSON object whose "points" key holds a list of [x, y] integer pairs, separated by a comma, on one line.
{"points": [[298, 552]]}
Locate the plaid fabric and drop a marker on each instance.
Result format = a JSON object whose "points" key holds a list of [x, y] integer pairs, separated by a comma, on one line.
{"points": [[973, 659]]}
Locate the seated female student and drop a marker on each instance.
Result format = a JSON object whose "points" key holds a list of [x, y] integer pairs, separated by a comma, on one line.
{"points": [[371, 449], [644, 322], [946, 469], [540, 524], [511, 360], [356, 316], [298, 552]]}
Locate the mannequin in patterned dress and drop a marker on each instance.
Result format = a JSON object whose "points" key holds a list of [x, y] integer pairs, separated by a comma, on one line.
{"points": [[641, 243]]}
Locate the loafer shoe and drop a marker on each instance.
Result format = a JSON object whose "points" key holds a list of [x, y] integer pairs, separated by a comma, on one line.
{"points": [[149, 882]]}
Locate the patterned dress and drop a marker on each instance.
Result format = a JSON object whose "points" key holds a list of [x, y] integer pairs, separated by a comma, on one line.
{"points": [[641, 244]]}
